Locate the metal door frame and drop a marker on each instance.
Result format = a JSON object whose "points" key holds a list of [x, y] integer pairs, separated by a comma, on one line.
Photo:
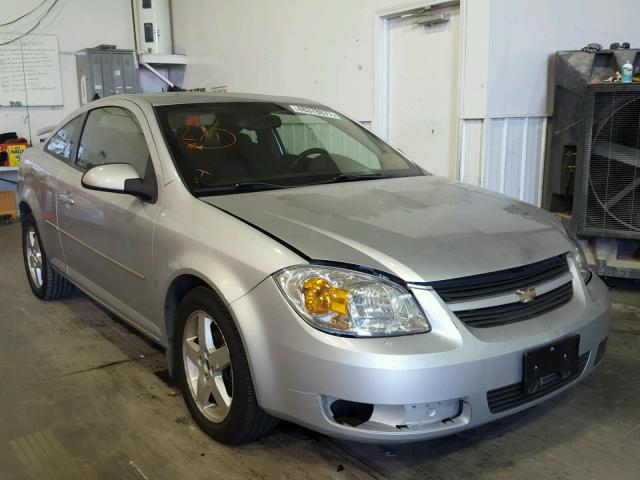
{"points": [[381, 19]]}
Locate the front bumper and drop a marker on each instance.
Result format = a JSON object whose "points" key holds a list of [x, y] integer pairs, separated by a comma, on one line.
{"points": [[421, 386]]}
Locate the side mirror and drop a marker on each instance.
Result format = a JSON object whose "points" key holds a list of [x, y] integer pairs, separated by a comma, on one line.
{"points": [[118, 178]]}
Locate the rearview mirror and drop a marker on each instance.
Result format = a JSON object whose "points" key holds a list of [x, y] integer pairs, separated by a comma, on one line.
{"points": [[258, 122], [118, 178]]}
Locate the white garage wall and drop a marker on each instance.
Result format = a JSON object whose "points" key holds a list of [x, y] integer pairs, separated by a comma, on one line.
{"points": [[78, 24], [524, 35], [322, 50], [319, 50], [473, 99]]}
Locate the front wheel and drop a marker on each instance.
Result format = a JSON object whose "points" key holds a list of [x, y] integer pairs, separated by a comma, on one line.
{"points": [[213, 372], [45, 282]]}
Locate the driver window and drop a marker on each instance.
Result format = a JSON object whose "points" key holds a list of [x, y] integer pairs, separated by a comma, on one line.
{"points": [[113, 135]]}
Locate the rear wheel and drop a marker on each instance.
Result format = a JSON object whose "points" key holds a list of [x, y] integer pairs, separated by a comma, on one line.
{"points": [[45, 282], [213, 372]]}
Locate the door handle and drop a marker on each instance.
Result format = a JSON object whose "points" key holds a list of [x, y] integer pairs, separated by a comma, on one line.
{"points": [[66, 199]]}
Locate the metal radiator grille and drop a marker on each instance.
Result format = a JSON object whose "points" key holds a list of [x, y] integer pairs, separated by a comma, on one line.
{"points": [[517, 312], [458, 292], [495, 283], [608, 203]]}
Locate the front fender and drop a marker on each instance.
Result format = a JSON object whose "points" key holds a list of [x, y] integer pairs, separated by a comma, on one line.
{"points": [[228, 255], [37, 189]]}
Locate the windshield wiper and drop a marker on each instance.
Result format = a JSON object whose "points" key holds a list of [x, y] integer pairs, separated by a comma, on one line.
{"points": [[238, 187], [260, 186], [351, 177]]}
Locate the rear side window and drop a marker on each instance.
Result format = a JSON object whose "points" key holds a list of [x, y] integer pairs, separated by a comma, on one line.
{"points": [[113, 135], [63, 142]]}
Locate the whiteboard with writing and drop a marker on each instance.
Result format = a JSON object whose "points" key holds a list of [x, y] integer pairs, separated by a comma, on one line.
{"points": [[33, 61]]}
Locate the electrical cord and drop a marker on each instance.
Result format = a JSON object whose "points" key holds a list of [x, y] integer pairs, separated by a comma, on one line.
{"points": [[24, 15], [26, 94], [34, 27]]}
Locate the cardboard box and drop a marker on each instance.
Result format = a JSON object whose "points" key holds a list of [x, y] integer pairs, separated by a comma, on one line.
{"points": [[8, 204], [14, 152]]}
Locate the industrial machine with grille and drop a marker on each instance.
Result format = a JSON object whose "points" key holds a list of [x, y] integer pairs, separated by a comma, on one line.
{"points": [[607, 203], [606, 207], [593, 170]]}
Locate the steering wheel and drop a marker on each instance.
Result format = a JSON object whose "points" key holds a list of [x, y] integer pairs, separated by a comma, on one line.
{"points": [[307, 153]]}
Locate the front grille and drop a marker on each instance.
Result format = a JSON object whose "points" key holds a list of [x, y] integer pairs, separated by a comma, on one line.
{"points": [[512, 396], [516, 312], [504, 281], [458, 291]]}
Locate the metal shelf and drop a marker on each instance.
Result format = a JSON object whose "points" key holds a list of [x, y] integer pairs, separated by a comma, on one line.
{"points": [[8, 169], [162, 59]]}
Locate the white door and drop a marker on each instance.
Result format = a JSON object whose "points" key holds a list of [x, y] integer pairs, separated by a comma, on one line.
{"points": [[423, 90]]}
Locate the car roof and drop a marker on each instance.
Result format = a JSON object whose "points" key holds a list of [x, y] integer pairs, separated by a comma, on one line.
{"points": [[177, 98]]}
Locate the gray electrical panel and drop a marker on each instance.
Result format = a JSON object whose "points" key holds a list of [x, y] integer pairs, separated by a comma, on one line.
{"points": [[106, 72]]}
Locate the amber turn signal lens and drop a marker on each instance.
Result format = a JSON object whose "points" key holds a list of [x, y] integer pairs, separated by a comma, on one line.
{"points": [[351, 303], [321, 298]]}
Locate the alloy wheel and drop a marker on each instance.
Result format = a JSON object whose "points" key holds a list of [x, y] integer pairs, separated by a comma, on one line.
{"points": [[207, 366], [34, 256]]}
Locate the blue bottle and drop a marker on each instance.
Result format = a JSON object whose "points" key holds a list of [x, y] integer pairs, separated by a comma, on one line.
{"points": [[627, 72]]}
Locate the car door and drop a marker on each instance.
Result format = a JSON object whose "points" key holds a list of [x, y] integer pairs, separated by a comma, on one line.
{"points": [[108, 237], [43, 177]]}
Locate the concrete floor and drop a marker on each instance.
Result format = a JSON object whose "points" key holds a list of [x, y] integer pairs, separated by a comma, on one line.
{"points": [[83, 397]]}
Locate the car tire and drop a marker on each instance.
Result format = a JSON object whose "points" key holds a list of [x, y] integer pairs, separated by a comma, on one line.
{"points": [[45, 282], [216, 381]]}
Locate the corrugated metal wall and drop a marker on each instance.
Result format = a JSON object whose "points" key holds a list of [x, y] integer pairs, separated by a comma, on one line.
{"points": [[505, 155]]}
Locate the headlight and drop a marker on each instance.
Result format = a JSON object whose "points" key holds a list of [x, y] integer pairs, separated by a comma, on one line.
{"points": [[349, 303], [578, 257], [581, 262]]}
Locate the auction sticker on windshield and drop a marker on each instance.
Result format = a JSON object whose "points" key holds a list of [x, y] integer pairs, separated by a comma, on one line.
{"points": [[314, 111]]}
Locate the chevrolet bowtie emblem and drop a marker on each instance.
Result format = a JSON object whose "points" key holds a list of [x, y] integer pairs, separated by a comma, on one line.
{"points": [[526, 295]]}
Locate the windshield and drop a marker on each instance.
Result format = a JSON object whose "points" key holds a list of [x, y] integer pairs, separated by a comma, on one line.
{"points": [[223, 148]]}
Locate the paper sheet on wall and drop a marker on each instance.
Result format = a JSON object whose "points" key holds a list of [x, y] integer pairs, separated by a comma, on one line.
{"points": [[33, 60]]}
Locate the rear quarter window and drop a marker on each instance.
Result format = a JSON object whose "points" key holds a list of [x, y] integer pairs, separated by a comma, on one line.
{"points": [[62, 144]]}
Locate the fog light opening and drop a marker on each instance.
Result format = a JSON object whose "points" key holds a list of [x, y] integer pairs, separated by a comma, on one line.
{"points": [[453, 417], [351, 413]]}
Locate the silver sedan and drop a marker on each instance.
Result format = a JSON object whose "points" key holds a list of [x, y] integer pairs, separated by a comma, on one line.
{"points": [[295, 266]]}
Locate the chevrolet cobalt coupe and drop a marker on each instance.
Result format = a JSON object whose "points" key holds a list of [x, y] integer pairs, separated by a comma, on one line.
{"points": [[295, 266]]}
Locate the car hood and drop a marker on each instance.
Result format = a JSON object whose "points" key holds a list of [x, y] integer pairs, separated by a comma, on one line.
{"points": [[420, 229]]}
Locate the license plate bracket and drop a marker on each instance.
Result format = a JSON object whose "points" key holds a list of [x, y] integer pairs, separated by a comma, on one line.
{"points": [[557, 358]]}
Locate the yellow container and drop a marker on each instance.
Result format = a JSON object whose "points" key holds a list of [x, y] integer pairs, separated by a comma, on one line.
{"points": [[14, 152]]}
